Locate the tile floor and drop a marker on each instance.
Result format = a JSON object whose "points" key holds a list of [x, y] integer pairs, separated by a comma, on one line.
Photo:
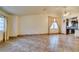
{"points": [[41, 43]]}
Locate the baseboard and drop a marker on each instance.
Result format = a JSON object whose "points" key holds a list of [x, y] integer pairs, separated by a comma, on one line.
{"points": [[54, 33], [21, 35], [13, 37], [63, 33], [31, 34]]}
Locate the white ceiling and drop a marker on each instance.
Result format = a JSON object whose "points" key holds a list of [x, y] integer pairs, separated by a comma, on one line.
{"points": [[30, 10]]}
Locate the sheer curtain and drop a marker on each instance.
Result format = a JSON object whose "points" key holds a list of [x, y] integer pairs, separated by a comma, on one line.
{"points": [[54, 25]]}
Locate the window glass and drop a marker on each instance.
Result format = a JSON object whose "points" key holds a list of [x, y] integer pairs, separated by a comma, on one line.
{"points": [[54, 25], [2, 23]]}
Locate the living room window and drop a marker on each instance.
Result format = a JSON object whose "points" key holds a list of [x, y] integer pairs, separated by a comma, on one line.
{"points": [[2, 24], [54, 25]]}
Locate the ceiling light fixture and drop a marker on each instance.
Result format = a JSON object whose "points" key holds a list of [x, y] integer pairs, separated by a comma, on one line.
{"points": [[66, 12], [43, 11]]}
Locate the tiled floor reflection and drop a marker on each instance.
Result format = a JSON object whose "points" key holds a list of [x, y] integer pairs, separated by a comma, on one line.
{"points": [[41, 43]]}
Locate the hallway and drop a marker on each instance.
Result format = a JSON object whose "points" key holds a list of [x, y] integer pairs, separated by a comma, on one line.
{"points": [[41, 43]]}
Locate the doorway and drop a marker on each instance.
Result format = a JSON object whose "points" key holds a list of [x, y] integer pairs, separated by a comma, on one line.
{"points": [[54, 24], [71, 25]]}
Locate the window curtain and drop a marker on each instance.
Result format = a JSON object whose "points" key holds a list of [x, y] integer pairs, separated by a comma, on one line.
{"points": [[50, 21]]}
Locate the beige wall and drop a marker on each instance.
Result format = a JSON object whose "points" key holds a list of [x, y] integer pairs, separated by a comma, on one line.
{"points": [[8, 19], [14, 26], [30, 24], [33, 24]]}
